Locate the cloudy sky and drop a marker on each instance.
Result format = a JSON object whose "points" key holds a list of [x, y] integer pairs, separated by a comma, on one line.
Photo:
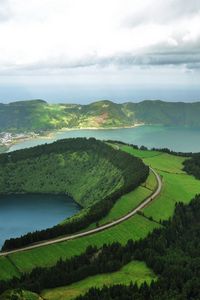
{"points": [[80, 51]]}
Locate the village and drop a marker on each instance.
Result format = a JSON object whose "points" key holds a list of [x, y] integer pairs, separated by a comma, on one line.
{"points": [[7, 138]]}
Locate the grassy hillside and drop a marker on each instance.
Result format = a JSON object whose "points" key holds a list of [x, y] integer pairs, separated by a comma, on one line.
{"points": [[129, 201], [90, 171], [84, 175], [36, 115], [173, 253], [8, 270], [135, 228], [39, 115], [135, 271], [178, 186], [19, 295], [13, 266]]}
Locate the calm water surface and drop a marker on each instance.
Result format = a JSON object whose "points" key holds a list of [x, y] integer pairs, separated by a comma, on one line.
{"points": [[20, 214], [178, 139]]}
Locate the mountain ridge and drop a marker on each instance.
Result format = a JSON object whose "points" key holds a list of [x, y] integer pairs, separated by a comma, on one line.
{"points": [[39, 115]]}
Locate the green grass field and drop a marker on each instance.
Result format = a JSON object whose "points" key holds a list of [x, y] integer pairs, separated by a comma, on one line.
{"points": [[135, 271], [7, 269], [151, 182], [134, 228], [139, 153], [124, 205], [45, 256], [129, 201], [177, 186], [166, 162]]}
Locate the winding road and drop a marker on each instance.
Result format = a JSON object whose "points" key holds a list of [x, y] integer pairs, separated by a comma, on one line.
{"points": [[95, 230]]}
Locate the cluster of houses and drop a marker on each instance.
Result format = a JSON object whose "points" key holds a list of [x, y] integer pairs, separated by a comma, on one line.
{"points": [[7, 138]]}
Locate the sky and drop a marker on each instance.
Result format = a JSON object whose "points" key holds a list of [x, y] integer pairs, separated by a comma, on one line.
{"points": [[82, 51]]}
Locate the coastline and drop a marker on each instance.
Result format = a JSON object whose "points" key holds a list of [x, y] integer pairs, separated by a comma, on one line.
{"points": [[50, 134], [102, 128]]}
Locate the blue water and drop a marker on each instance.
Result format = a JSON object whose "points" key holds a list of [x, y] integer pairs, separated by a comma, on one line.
{"points": [[178, 139], [20, 214]]}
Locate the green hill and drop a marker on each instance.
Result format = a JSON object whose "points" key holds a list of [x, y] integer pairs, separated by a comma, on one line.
{"points": [[92, 172], [36, 115], [81, 173]]}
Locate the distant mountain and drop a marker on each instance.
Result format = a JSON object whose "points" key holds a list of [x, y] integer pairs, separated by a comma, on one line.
{"points": [[36, 115]]}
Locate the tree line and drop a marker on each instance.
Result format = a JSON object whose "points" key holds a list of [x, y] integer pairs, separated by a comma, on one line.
{"points": [[192, 166], [164, 150], [171, 251], [133, 171]]}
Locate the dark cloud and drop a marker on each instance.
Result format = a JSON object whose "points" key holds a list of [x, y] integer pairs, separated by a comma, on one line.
{"points": [[189, 59], [183, 53], [159, 59], [161, 12]]}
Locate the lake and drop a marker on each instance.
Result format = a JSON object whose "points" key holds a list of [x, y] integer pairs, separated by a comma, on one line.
{"points": [[178, 139], [20, 214]]}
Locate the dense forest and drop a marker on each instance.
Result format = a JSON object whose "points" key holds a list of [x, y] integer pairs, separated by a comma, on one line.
{"points": [[56, 168], [38, 115], [106, 174], [192, 166], [172, 252]]}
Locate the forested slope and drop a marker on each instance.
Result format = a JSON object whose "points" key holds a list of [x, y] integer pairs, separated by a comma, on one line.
{"points": [[192, 165], [172, 252], [84, 175], [90, 171], [37, 115]]}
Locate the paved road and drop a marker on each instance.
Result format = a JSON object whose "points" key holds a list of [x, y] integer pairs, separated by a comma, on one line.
{"points": [[95, 230]]}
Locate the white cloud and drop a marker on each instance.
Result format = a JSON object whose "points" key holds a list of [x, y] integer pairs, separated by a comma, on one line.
{"points": [[5, 11], [89, 42]]}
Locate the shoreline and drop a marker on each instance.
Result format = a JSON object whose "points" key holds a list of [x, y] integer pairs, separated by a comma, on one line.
{"points": [[101, 128], [50, 134]]}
